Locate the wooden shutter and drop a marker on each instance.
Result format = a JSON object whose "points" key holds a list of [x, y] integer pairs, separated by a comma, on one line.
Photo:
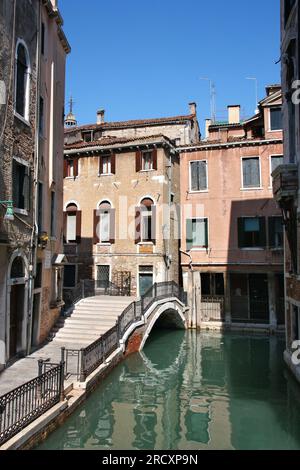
{"points": [[65, 215], [138, 161], [189, 234], [262, 232], [153, 224], [76, 167], [112, 226], [78, 226], [202, 169], [65, 168], [100, 166], [194, 176], [113, 163], [138, 225], [154, 159], [96, 222], [241, 238]]}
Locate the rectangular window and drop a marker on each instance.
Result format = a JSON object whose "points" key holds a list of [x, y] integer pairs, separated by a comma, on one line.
{"points": [[70, 276], [147, 161], [71, 227], [104, 227], [103, 275], [40, 207], [145, 279], [105, 165], [197, 233], [252, 232], [87, 136], [71, 168], [41, 123], [276, 232], [198, 176], [275, 119], [21, 183], [147, 225], [276, 160], [52, 222], [251, 172]]}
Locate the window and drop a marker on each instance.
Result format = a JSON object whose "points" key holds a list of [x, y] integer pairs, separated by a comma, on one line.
{"points": [[252, 232], [198, 176], [103, 275], [105, 165], [41, 122], [251, 172], [104, 223], [38, 276], [275, 119], [52, 221], [40, 206], [71, 168], [147, 161], [276, 232], [72, 224], [145, 279], [21, 182], [43, 39], [276, 160], [197, 233], [87, 136], [22, 81], [146, 221], [70, 276]]}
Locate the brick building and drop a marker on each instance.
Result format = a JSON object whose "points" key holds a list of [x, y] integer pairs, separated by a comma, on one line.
{"points": [[121, 198], [232, 243], [32, 76], [286, 177]]}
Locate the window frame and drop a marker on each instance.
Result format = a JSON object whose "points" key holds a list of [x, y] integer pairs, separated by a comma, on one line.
{"points": [[23, 211], [25, 118], [270, 118], [270, 166], [254, 188], [190, 177], [143, 161], [101, 165], [198, 248], [275, 248], [252, 248]]}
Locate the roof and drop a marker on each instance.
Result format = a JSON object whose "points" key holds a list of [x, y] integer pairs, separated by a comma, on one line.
{"points": [[134, 123], [117, 141]]}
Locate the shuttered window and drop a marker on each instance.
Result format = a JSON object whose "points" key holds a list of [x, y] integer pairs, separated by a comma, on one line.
{"points": [[197, 233], [198, 176], [276, 232], [21, 185], [252, 232], [251, 172]]}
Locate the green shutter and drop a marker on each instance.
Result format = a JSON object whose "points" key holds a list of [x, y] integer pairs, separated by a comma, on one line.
{"points": [[189, 234]]}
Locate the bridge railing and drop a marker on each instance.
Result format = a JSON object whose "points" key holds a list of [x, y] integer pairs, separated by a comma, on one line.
{"points": [[95, 354]]}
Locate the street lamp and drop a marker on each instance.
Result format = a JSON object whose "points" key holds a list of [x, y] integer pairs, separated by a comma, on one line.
{"points": [[9, 210]]}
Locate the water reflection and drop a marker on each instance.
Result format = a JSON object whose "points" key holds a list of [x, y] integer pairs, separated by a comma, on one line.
{"points": [[188, 390]]}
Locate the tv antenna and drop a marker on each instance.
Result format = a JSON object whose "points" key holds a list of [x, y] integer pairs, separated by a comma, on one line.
{"points": [[254, 79], [212, 91]]}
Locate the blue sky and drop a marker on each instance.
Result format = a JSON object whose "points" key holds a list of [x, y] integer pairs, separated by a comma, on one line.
{"points": [[141, 58]]}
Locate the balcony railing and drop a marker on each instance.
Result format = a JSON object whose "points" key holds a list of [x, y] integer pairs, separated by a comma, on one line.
{"points": [[285, 182]]}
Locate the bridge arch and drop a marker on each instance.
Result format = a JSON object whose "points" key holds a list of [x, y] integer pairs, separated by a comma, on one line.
{"points": [[170, 313]]}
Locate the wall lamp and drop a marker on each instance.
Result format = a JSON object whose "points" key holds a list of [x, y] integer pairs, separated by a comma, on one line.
{"points": [[9, 210]]}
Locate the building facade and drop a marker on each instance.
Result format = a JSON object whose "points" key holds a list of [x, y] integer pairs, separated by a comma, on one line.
{"points": [[121, 200], [232, 230], [286, 177], [32, 76]]}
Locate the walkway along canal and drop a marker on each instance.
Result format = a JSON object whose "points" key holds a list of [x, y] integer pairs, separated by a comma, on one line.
{"points": [[189, 390]]}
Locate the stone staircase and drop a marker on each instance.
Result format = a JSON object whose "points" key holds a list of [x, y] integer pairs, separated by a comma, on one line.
{"points": [[91, 318]]}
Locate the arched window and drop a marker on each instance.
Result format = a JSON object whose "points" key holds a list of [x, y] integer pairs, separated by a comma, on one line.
{"points": [[146, 221], [104, 223], [72, 224], [22, 81], [17, 269]]}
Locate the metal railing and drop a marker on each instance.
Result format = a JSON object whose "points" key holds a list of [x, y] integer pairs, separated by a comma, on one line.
{"points": [[21, 406], [91, 357], [212, 308]]}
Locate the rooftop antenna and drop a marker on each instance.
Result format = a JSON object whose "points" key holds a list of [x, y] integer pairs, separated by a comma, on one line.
{"points": [[256, 92], [71, 103], [212, 90]]}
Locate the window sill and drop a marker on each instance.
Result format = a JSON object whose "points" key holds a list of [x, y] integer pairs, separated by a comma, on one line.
{"points": [[146, 243], [71, 177], [71, 243], [105, 174], [199, 249], [22, 119], [200, 191], [253, 249], [104, 244], [252, 189], [275, 130], [21, 211], [147, 171]]}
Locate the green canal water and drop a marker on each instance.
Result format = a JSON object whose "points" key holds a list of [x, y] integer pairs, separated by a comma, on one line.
{"points": [[190, 391]]}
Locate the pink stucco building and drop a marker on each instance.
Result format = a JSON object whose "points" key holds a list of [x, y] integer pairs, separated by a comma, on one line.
{"points": [[232, 231]]}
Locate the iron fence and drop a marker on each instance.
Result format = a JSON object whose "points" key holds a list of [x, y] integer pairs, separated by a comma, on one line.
{"points": [[21, 406], [212, 308]]}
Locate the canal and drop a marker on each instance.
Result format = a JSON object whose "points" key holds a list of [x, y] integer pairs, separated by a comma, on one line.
{"points": [[189, 391]]}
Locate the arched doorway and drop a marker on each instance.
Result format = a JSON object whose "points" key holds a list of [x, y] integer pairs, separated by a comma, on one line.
{"points": [[17, 289]]}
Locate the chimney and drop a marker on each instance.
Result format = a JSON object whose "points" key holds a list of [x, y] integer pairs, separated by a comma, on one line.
{"points": [[193, 108], [100, 116], [234, 114], [207, 124]]}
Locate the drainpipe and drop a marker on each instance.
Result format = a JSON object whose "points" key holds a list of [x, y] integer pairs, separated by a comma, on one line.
{"points": [[34, 233], [194, 296]]}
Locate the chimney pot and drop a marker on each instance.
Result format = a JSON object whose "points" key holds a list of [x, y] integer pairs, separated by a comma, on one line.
{"points": [[193, 108], [234, 112], [100, 116]]}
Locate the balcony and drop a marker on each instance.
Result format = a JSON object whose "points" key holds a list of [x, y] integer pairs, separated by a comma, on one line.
{"points": [[285, 183]]}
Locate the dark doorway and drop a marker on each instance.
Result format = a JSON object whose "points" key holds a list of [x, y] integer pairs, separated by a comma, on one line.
{"points": [[259, 297], [16, 319]]}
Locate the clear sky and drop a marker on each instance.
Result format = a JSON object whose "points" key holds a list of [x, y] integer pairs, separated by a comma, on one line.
{"points": [[144, 58]]}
